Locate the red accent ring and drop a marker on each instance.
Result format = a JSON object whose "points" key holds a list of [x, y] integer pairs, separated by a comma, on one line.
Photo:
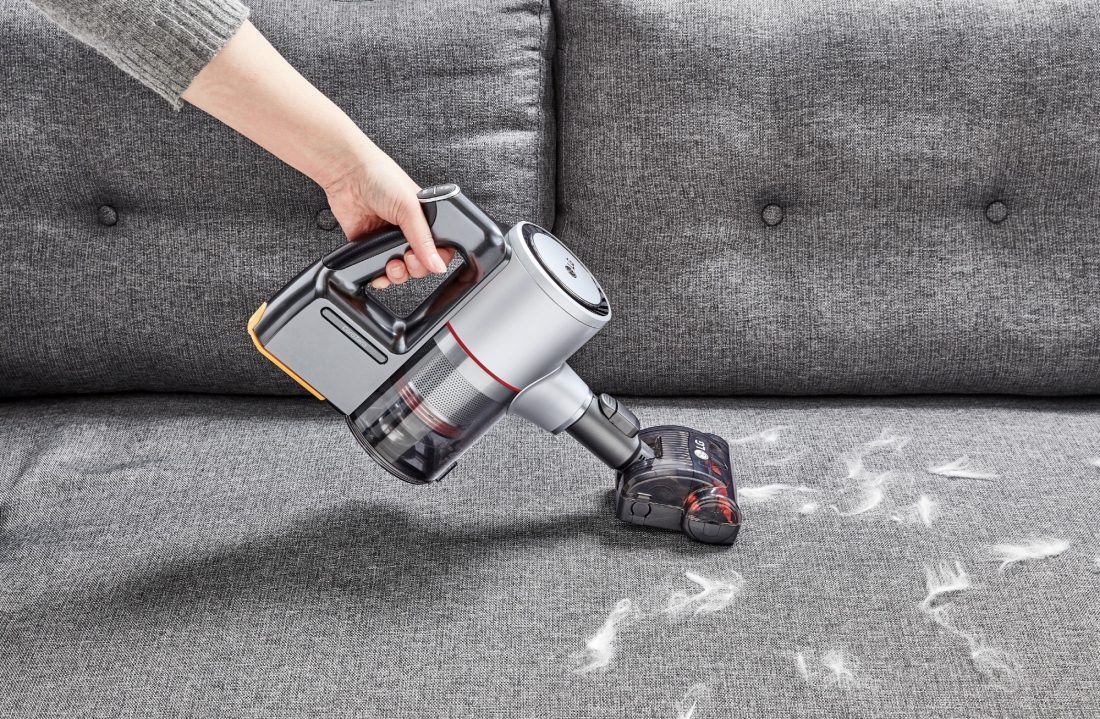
{"points": [[421, 410], [477, 361]]}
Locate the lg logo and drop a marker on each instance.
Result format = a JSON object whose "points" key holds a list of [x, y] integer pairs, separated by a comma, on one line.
{"points": [[571, 268], [701, 450]]}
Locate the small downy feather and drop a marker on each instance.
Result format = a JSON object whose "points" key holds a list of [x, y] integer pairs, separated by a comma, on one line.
{"points": [[854, 463], [714, 595], [685, 708], [1094, 461], [924, 508], [993, 663], [768, 435], [785, 460], [920, 511], [1009, 554], [808, 508], [889, 440], [768, 492], [600, 649], [840, 668], [943, 581], [961, 469], [802, 666], [871, 495], [871, 498]]}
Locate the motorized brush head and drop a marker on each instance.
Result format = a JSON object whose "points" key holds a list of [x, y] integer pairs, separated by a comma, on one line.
{"points": [[686, 486]]}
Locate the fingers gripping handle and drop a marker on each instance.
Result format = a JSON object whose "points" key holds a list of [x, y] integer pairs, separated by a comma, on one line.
{"points": [[455, 221]]}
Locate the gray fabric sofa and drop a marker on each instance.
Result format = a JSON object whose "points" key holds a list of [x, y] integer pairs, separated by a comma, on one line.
{"points": [[849, 222]]}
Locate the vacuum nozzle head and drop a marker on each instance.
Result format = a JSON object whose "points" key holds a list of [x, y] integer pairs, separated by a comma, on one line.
{"points": [[687, 485]]}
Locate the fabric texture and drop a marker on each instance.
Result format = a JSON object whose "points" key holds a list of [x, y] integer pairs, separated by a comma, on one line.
{"points": [[188, 555], [162, 43], [854, 197], [137, 241]]}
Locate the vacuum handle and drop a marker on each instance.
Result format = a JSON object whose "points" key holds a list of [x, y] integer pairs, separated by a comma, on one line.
{"points": [[455, 221]]}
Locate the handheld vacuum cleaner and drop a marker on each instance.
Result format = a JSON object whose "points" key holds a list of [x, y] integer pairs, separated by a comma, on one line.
{"points": [[492, 338]]}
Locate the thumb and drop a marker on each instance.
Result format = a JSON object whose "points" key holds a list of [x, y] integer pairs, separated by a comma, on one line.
{"points": [[415, 228]]}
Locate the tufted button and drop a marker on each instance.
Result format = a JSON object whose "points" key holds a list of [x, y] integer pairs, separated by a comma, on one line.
{"points": [[107, 215], [996, 211], [326, 220], [772, 215]]}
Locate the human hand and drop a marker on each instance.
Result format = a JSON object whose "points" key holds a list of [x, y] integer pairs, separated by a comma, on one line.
{"points": [[251, 87], [373, 192]]}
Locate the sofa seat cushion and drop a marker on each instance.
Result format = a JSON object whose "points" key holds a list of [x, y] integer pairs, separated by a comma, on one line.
{"points": [[242, 557]]}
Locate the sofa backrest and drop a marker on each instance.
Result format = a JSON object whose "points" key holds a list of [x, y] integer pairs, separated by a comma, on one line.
{"points": [[136, 242], [851, 197], [792, 198]]}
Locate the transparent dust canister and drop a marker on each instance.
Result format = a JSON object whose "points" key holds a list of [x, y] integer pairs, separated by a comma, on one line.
{"points": [[421, 420]]}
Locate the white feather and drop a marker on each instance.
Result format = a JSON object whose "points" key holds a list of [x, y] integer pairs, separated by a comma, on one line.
{"points": [[801, 665], [768, 435], [889, 440], [854, 463], [961, 469], [1094, 461], [600, 649], [840, 668], [923, 511], [808, 508], [713, 595], [870, 498], [1009, 554], [924, 508], [767, 492], [942, 581], [993, 663], [685, 708], [836, 669]]}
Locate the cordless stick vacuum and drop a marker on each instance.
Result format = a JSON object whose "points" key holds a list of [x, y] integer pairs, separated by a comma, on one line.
{"points": [[494, 337]]}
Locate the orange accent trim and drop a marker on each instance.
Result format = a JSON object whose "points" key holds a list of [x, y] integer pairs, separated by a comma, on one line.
{"points": [[477, 361], [263, 350]]}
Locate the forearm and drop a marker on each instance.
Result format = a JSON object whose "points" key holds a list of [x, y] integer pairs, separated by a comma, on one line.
{"points": [[251, 88], [162, 43], [206, 53]]}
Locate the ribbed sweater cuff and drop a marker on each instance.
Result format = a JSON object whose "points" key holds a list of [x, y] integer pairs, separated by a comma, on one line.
{"points": [[162, 43]]}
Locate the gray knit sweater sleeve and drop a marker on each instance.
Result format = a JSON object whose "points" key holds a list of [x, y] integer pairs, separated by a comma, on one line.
{"points": [[163, 43]]}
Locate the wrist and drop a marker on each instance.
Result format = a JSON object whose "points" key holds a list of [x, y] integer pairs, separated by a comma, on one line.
{"points": [[340, 159]]}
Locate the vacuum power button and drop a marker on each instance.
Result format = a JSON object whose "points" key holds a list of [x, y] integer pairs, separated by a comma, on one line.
{"points": [[438, 192]]}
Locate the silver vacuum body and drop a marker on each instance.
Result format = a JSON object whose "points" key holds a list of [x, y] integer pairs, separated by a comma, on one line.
{"points": [[493, 338]]}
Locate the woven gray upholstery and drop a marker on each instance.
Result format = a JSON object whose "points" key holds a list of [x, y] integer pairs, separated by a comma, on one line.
{"points": [[779, 198], [136, 241], [852, 197], [242, 557]]}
